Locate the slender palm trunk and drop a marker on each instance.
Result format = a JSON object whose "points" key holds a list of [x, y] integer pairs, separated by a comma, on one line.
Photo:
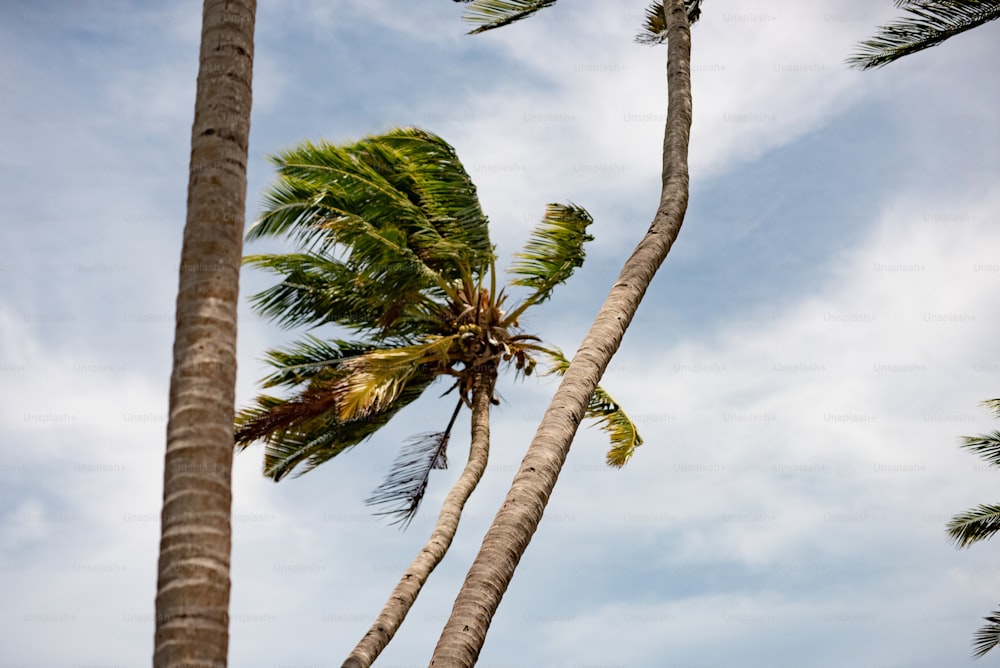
{"points": [[406, 592], [518, 518], [192, 599]]}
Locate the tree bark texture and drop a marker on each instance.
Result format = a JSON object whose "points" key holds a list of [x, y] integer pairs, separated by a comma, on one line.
{"points": [[406, 592], [487, 580], [192, 599]]}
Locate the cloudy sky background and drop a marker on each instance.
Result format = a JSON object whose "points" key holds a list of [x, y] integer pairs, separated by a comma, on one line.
{"points": [[801, 369]]}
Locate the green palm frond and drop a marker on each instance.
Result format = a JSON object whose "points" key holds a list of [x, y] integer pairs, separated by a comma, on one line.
{"points": [[927, 24], [616, 423], [490, 14], [654, 25], [399, 200], [974, 525], [988, 635], [552, 254], [986, 446], [435, 177], [316, 289], [610, 416], [308, 358]]}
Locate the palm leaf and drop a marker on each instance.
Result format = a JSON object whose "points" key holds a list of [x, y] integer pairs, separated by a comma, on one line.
{"points": [[316, 290], [433, 175], [986, 446], [928, 23], [374, 380], [403, 196], [304, 431], [988, 635], [552, 254], [490, 14], [304, 360], [974, 525], [407, 481], [616, 424], [654, 25], [610, 416]]}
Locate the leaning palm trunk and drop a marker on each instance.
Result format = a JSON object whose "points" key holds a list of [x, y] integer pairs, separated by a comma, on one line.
{"points": [[406, 592], [192, 601], [518, 518]]}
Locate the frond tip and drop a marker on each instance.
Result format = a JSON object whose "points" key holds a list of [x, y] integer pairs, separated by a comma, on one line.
{"points": [[490, 14], [928, 23], [407, 480], [988, 635], [974, 525], [553, 252], [406, 483], [616, 423]]}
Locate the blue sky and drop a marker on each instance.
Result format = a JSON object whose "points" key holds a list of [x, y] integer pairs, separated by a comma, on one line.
{"points": [[801, 369]]}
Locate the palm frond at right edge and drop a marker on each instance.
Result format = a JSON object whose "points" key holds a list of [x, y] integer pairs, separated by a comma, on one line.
{"points": [[928, 23], [974, 525], [981, 523], [610, 417], [988, 635]]}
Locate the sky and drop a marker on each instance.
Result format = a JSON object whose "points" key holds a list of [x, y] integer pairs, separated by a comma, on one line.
{"points": [[801, 369]]}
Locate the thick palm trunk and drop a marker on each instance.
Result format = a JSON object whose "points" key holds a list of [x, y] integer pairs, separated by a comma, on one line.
{"points": [[192, 600], [406, 592], [518, 518]]}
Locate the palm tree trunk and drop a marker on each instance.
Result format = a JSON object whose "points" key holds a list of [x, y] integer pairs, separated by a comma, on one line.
{"points": [[406, 592], [518, 518], [192, 599]]}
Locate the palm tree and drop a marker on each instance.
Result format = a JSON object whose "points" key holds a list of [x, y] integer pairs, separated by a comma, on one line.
{"points": [[192, 600], [929, 22], [980, 523], [395, 248], [518, 518]]}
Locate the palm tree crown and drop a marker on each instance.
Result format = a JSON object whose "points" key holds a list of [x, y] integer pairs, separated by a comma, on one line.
{"points": [[928, 23], [394, 247]]}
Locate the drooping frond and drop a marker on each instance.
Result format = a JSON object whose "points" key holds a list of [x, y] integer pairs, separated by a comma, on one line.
{"points": [[304, 360], [610, 416], [974, 525], [616, 424], [927, 24], [553, 252], [374, 380], [303, 431], [389, 207], [490, 14], [406, 483], [986, 446], [988, 635], [654, 25]]}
